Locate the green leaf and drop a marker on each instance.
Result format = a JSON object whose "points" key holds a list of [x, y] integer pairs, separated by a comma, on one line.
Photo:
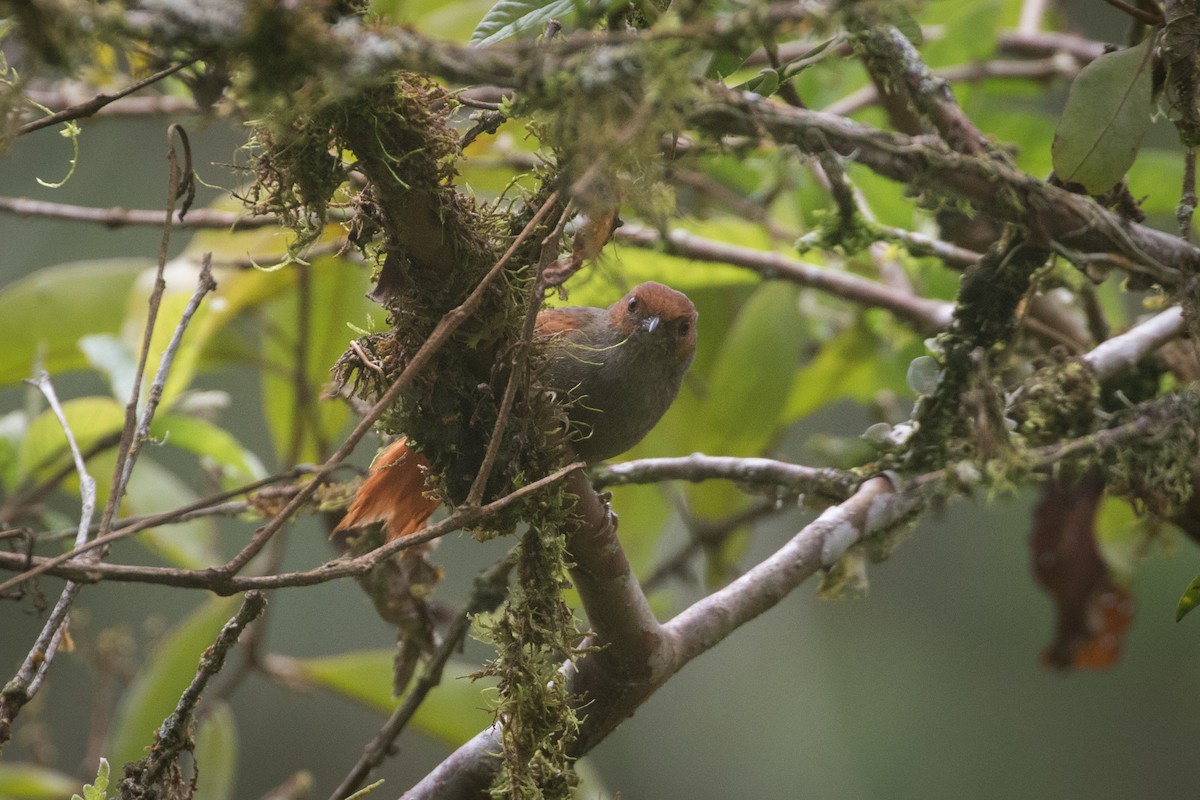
{"points": [[215, 446], [98, 789], [1120, 537], [31, 782], [154, 489], [754, 371], [237, 290], [854, 365], [114, 358], [44, 447], [43, 316], [906, 25], [155, 689], [509, 18], [765, 83], [1106, 116], [1189, 600], [453, 712], [12, 432], [216, 753], [337, 290]]}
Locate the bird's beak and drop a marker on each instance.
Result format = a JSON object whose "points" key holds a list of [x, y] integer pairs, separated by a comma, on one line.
{"points": [[650, 323]]}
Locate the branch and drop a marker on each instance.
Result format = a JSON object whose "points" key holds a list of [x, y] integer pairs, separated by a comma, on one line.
{"points": [[1124, 351], [214, 581], [150, 105], [175, 736], [612, 683], [467, 771], [1050, 43], [926, 315], [208, 506], [765, 472], [179, 184], [1044, 69], [491, 587], [993, 187], [32, 672], [119, 217], [98, 102]]}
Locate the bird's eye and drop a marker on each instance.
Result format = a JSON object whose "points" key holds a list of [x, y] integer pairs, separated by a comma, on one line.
{"points": [[633, 303]]}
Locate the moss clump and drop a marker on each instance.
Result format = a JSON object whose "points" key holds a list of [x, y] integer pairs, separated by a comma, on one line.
{"points": [[532, 638], [984, 320], [1057, 402], [1155, 470]]}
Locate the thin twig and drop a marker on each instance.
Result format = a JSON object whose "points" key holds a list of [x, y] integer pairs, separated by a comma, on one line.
{"points": [[214, 581], [86, 109], [201, 218], [706, 534], [123, 529], [303, 409], [830, 484], [204, 285], [174, 737], [21, 501], [489, 591], [176, 182], [926, 315], [516, 375], [1032, 12], [32, 672], [1139, 14]]}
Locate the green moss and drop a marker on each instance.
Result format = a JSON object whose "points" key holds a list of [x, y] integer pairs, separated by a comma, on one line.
{"points": [[985, 319], [1057, 402], [1154, 471]]}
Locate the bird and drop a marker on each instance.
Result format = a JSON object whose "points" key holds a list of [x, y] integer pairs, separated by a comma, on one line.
{"points": [[617, 369]]}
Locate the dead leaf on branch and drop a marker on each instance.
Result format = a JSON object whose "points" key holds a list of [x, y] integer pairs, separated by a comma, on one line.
{"points": [[1094, 612]]}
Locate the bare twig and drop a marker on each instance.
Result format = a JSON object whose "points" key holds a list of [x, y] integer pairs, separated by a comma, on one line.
{"points": [[200, 218], [32, 672], [128, 106], [926, 315], [1123, 351], [1032, 12], [125, 528], [99, 101], [177, 183], [516, 375], [1035, 44], [218, 583], [1140, 14], [489, 591], [205, 284], [174, 736], [21, 501], [825, 483], [1064, 66], [706, 534]]}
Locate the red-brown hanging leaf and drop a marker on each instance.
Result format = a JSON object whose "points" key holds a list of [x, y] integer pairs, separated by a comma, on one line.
{"points": [[1093, 611]]}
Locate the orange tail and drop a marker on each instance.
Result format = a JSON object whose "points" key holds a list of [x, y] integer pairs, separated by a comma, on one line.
{"points": [[394, 494]]}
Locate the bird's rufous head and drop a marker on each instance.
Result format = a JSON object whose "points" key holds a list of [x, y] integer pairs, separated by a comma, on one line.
{"points": [[652, 309]]}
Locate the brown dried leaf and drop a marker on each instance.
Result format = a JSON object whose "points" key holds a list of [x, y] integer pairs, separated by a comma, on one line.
{"points": [[1093, 611]]}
